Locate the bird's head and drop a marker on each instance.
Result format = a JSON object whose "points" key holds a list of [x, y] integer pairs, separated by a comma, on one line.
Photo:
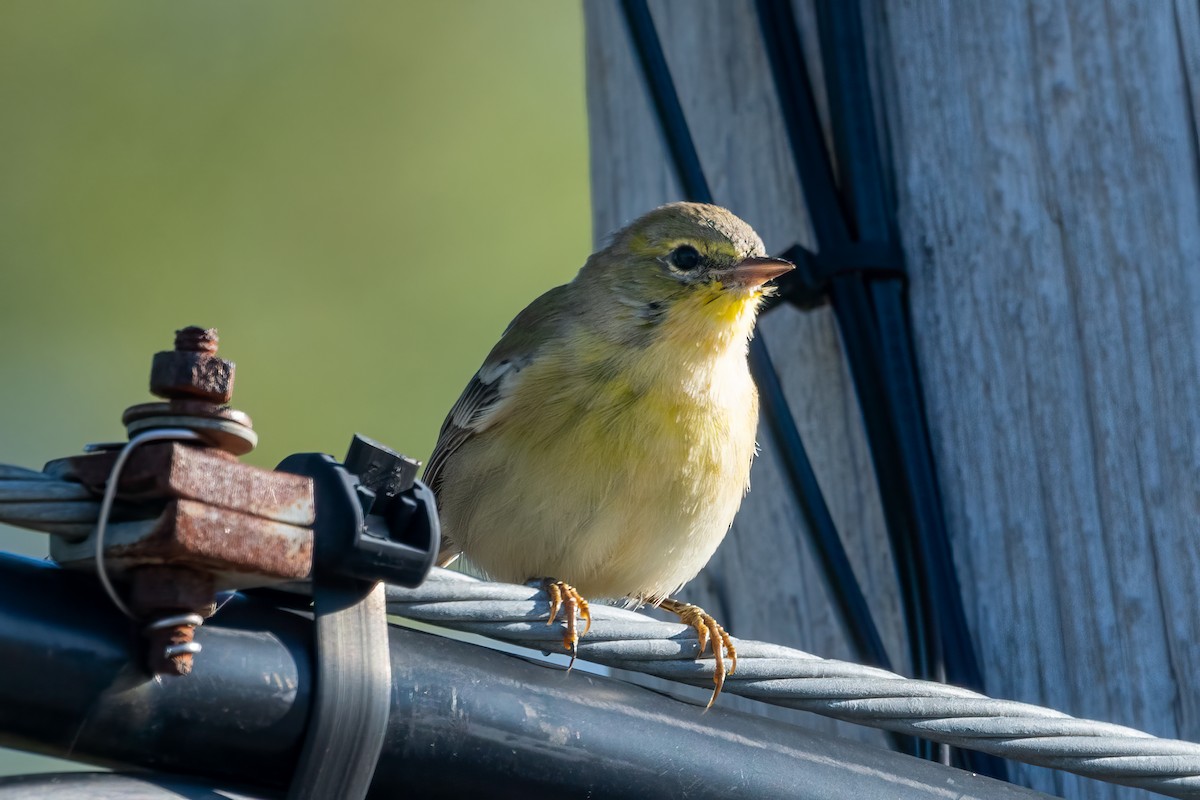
{"points": [[685, 270]]}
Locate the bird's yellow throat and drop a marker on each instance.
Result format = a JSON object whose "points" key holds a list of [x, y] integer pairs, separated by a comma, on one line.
{"points": [[711, 319]]}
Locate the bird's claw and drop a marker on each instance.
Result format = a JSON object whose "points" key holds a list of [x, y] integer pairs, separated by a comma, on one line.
{"points": [[566, 597], [709, 633]]}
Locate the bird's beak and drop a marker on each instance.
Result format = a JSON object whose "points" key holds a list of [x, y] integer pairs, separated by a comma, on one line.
{"points": [[754, 272]]}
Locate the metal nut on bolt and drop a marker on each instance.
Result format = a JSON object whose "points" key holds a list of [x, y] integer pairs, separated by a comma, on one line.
{"points": [[203, 519], [192, 369], [198, 386], [175, 600]]}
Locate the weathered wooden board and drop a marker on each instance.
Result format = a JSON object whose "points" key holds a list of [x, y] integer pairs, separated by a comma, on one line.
{"points": [[1048, 186]]}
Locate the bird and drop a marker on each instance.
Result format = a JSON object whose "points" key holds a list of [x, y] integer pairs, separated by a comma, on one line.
{"points": [[604, 446]]}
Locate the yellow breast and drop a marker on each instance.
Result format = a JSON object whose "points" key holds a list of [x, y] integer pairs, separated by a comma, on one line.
{"points": [[618, 473]]}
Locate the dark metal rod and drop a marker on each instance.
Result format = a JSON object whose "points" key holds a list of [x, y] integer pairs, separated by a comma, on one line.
{"points": [[785, 55], [464, 719], [854, 318], [834, 561], [852, 122], [874, 328], [931, 542], [843, 585], [674, 125], [877, 378], [859, 158], [815, 174], [860, 341]]}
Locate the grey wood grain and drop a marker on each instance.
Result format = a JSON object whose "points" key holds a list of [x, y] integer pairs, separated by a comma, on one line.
{"points": [[1047, 180], [1048, 195]]}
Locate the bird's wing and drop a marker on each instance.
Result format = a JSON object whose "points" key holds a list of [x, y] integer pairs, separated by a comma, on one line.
{"points": [[479, 402], [483, 401]]}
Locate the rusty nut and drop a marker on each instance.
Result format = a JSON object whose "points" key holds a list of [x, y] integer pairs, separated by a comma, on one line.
{"points": [[178, 374]]}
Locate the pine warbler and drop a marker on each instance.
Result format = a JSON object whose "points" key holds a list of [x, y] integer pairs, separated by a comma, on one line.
{"points": [[605, 444]]}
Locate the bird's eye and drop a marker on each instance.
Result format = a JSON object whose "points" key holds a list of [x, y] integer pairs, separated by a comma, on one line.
{"points": [[685, 257]]}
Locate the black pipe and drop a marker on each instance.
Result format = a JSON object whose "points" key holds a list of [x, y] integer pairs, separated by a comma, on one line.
{"points": [[72, 685], [463, 718], [115, 786]]}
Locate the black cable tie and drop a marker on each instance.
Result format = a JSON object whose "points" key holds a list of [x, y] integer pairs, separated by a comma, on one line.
{"points": [[808, 286]]}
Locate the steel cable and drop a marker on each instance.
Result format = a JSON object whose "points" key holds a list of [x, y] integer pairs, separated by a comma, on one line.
{"points": [[43, 501], [627, 639]]}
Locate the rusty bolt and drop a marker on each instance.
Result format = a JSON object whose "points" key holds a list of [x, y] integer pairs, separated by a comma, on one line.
{"points": [[192, 369], [173, 601], [194, 339]]}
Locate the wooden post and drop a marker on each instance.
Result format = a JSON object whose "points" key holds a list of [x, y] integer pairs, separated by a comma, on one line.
{"points": [[1047, 181]]}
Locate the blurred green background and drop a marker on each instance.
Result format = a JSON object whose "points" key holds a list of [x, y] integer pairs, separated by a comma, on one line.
{"points": [[358, 195]]}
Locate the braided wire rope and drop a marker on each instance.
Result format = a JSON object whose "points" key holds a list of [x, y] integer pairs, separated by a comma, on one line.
{"points": [[44, 501], [630, 640], [626, 639]]}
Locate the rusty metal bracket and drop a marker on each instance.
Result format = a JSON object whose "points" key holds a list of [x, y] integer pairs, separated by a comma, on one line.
{"points": [[180, 519], [184, 520], [202, 497]]}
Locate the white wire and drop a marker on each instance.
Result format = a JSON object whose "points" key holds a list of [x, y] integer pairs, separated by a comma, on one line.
{"points": [[110, 496]]}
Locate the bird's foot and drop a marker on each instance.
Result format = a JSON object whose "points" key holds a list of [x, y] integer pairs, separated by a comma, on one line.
{"points": [[709, 632], [573, 605]]}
